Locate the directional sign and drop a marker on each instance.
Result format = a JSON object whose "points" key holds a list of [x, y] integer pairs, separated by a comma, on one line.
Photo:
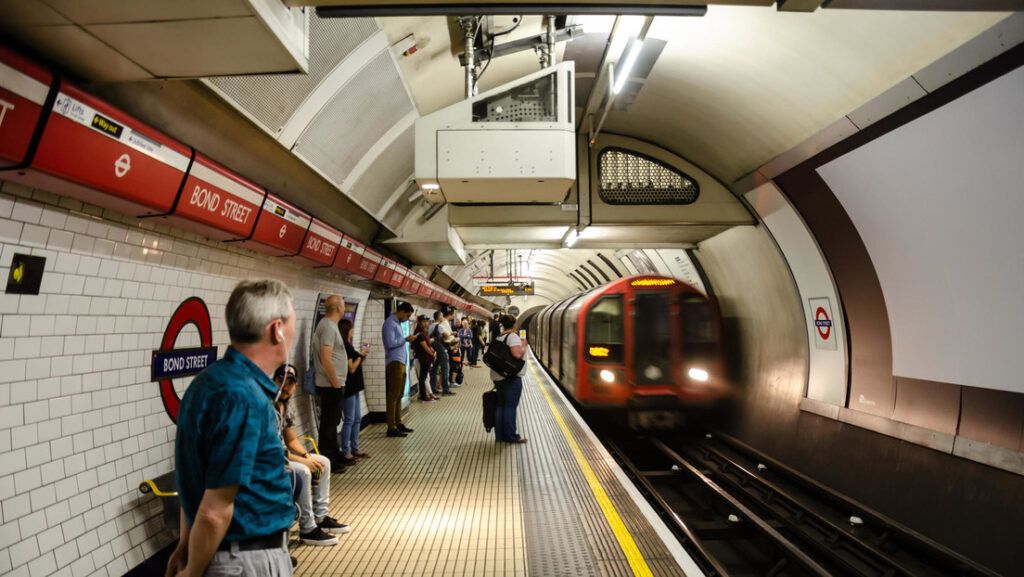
{"points": [[515, 289], [170, 363], [821, 322]]}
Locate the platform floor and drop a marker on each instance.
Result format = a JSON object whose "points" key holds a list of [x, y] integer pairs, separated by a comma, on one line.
{"points": [[448, 500]]}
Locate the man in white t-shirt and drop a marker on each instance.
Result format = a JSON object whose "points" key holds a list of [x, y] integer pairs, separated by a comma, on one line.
{"points": [[510, 390], [331, 364], [443, 336]]}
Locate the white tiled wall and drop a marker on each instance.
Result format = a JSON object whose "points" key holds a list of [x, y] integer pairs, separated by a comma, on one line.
{"points": [[81, 425]]}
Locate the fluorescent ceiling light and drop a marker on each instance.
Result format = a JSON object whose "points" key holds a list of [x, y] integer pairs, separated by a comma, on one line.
{"points": [[622, 75], [571, 239], [629, 27]]}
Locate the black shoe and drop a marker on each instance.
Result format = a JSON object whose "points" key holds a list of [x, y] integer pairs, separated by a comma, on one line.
{"points": [[449, 393], [331, 525], [337, 466], [318, 537], [396, 433], [404, 429], [295, 562]]}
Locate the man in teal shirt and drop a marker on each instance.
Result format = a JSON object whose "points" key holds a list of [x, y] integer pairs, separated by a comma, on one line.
{"points": [[235, 493]]}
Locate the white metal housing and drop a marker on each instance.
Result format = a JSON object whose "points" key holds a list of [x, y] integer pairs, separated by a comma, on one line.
{"points": [[489, 148]]}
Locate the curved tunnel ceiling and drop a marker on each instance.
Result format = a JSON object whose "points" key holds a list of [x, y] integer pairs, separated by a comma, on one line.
{"points": [[729, 92]]}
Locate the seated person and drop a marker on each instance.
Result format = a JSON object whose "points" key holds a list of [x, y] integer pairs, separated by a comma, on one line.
{"points": [[315, 525]]}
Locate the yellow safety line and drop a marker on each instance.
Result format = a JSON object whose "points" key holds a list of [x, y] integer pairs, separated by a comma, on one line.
{"points": [[633, 555]]}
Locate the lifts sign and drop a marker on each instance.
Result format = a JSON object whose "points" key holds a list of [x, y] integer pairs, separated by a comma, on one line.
{"points": [[170, 363]]}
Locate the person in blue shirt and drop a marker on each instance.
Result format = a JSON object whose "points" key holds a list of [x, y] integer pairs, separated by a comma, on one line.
{"points": [[235, 493], [396, 359]]}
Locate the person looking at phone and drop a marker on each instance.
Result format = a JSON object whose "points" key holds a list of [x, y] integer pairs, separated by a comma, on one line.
{"points": [[353, 413]]}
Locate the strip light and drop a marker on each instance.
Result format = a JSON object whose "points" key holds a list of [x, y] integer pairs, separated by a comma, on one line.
{"points": [[632, 53]]}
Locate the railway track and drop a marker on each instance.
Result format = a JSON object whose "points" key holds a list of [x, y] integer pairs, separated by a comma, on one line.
{"points": [[741, 514]]}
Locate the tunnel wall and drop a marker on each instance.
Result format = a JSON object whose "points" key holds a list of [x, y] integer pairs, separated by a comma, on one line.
{"points": [[880, 454], [962, 415], [81, 424]]}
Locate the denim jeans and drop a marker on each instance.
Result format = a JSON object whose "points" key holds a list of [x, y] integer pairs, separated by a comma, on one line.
{"points": [[312, 501], [441, 365], [349, 439], [473, 352], [509, 392]]}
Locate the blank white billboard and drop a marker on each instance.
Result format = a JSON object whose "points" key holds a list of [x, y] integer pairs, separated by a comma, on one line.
{"points": [[939, 203]]}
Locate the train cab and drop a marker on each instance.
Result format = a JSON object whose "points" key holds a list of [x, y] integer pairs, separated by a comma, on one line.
{"points": [[642, 343]]}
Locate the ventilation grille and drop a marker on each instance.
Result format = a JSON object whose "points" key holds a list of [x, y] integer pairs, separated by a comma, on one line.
{"points": [[271, 99], [631, 178], [355, 118], [389, 170]]}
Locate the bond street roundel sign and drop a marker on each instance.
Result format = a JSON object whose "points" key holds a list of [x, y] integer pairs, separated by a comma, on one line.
{"points": [[170, 363], [822, 328]]}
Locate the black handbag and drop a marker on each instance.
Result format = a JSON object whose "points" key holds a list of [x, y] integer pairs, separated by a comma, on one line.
{"points": [[499, 358]]}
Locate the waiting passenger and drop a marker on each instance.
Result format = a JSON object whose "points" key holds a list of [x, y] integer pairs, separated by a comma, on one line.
{"points": [[331, 364], [423, 349], [443, 339], [465, 340], [396, 359], [478, 343], [510, 390], [312, 472], [353, 413], [235, 494]]}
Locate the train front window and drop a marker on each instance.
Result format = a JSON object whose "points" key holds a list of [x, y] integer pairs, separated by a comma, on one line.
{"points": [[652, 338], [605, 330], [700, 333]]}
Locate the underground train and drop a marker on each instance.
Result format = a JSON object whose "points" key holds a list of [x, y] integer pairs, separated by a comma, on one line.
{"points": [[648, 344]]}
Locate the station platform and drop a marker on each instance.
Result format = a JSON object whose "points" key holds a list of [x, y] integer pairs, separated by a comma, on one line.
{"points": [[448, 500]]}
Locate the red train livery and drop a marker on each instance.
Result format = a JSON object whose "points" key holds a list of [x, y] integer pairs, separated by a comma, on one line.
{"points": [[650, 344]]}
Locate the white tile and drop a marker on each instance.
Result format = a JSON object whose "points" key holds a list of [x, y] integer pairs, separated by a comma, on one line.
{"points": [[93, 286], [9, 534], [73, 283], [27, 211], [57, 304], [37, 411], [42, 325], [12, 371], [60, 240], [54, 218], [83, 244], [34, 235], [77, 223], [6, 206], [66, 554], [103, 248], [10, 231], [108, 268], [24, 551], [50, 540], [89, 266], [15, 325], [32, 524], [16, 507], [60, 366], [65, 325], [26, 347], [38, 368], [48, 387], [9, 303], [43, 565]]}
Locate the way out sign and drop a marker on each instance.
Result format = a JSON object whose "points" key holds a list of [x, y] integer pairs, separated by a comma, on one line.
{"points": [[821, 323]]}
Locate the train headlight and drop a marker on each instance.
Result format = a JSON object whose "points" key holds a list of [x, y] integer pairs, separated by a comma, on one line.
{"points": [[607, 376], [698, 374]]}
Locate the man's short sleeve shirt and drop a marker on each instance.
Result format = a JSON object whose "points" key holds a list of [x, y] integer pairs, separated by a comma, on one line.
{"points": [[228, 434]]}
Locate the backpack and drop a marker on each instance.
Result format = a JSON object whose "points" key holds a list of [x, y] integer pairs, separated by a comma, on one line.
{"points": [[499, 358], [309, 380]]}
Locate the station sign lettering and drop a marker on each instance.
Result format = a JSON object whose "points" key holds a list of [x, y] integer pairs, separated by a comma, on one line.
{"points": [[181, 362]]}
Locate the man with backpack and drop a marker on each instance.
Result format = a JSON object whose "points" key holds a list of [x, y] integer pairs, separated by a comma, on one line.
{"points": [[443, 339], [510, 387]]}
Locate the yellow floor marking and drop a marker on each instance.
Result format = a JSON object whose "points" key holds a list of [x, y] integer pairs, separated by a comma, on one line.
{"points": [[633, 555]]}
